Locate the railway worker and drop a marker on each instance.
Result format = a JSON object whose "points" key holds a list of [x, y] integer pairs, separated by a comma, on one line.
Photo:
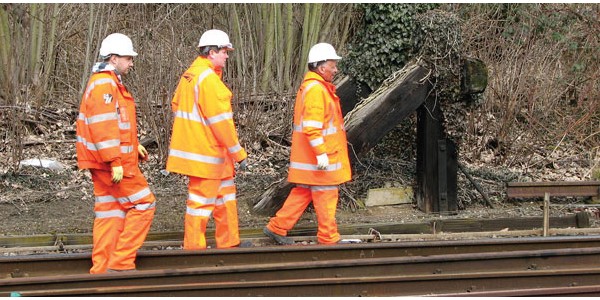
{"points": [[319, 156], [107, 145], [204, 145]]}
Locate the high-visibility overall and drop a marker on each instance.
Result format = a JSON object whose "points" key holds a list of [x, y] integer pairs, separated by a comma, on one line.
{"points": [[318, 128], [206, 197], [107, 136], [204, 146]]}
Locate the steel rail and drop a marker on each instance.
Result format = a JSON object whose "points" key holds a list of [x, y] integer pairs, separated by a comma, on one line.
{"points": [[390, 285], [570, 291], [62, 242], [555, 260], [80, 263]]}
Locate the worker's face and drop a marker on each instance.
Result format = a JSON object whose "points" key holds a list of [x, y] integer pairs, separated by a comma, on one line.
{"points": [[122, 63], [218, 58], [328, 70]]}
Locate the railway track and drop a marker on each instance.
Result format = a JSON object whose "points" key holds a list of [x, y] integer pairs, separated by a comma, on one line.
{"points": [[387, 276], [527, 265], [80, 263]]}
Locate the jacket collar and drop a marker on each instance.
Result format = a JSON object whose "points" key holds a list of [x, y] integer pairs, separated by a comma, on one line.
{"points": [[204, 62], [105, 67], [310, 75]]}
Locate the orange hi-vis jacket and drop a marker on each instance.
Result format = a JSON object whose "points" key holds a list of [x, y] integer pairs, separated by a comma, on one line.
{"points": [[204, 141], [318, 128], [107, 126]]}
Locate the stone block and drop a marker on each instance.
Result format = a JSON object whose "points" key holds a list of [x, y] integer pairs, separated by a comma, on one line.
{"points": [[389, 196]]}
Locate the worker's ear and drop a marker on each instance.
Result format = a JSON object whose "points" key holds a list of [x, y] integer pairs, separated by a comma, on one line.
{"points": [[113, 59], [321, 68]]}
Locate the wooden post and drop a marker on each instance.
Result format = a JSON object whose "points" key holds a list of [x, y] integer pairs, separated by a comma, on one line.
{"points": [[546, 213], [437, 165]]}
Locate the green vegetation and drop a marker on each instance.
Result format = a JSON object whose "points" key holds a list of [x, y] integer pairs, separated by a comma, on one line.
{"points": [[385, 41]]}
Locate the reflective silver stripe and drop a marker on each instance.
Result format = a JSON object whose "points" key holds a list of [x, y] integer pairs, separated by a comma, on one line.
{"points": [[317, 142], [107, 144], [105, 199], [99, 82], [315, 124], [226, 183], [200, 199], [123, 200], [196, 157], [221, 117], [194, 115], [329, 131], [100, 145], [203, 75], [88, 145], [308, 87], [124, 125], [320, 188], [198, 212], [228, 197], [126, 149], [104, 145], [303, 186], [310, 167], [190, 116], [101, 118], [110, 214], [235, 148], [145, 206], [139, 195]]}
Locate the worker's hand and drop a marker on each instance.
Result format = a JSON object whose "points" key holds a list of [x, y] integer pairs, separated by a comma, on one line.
{"points": [[142, 152], [117, 174], [243, 165], [322, 161]]}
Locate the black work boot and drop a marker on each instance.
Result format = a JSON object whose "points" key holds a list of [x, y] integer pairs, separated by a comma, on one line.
{"points": [[280, 239], [119, 271], [246, 244]]}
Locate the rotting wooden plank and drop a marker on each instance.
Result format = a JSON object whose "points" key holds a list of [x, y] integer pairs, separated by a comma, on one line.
{"points": [[555, 189], [468, 225]]}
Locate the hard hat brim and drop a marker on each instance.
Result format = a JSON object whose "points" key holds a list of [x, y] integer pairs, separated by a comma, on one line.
{"points": [[120, 54], [229, 47]]}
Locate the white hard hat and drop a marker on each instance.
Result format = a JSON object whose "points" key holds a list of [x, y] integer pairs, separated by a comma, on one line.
{"points": [[215, 37], [320, 52], [117, 43]]}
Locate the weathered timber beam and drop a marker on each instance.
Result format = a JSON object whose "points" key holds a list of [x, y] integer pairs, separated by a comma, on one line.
{"points": [[350, 93], [555, 189], [368, 122]]}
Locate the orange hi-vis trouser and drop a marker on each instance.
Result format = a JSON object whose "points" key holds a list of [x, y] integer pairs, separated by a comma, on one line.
{"points": [[124, 213], [324, 199], [208, 197]]}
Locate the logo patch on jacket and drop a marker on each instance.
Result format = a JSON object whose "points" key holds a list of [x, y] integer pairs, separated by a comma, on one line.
{"points": [[108, 98]]}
